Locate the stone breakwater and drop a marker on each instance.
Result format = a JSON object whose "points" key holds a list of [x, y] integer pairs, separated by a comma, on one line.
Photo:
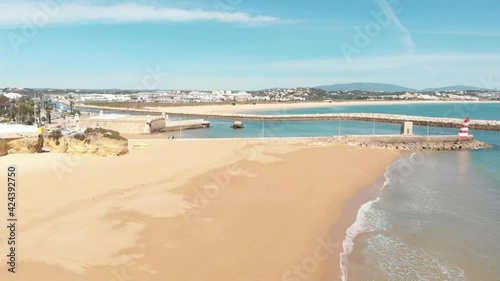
{"points": [[415, 143], [399, 142], [443, 122], [371, 117]]}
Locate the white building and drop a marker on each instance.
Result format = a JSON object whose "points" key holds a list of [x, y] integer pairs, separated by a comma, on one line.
{"points": [[12, 96]]}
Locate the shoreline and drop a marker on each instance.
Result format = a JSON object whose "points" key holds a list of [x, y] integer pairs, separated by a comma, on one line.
{"points": [[255, 209], [240, 108], [347, 218], [227, 112], [354, 206]]}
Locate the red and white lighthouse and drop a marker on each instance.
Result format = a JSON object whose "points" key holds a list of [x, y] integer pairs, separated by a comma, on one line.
{"points": [[464, 130]]}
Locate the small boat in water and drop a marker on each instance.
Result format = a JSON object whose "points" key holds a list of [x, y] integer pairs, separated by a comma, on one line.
{"points": [[237, 125]]}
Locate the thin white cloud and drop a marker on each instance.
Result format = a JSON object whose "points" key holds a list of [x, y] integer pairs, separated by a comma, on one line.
{"points": [[406, 37], [18, 13], [458, 33]]}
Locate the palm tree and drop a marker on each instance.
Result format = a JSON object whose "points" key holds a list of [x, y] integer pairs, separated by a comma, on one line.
{"points": [[39, 111], [13, 110], [25, 107], [48, 110]]}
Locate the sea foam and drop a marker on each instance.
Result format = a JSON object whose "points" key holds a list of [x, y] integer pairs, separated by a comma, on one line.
{"points": [[368, 219], [397, 261]]}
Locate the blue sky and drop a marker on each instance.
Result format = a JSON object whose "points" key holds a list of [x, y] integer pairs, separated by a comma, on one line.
{"points": [[248, 44]]}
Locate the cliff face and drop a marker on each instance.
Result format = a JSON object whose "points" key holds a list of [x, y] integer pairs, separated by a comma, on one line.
{"points": [[57, 145], [24, 145], [3, 147], [94, 142], [97, 146]]}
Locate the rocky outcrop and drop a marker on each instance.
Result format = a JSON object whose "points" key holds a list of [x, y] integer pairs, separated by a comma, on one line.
{"points": [[3, 147], [444, 122], [57, 145], [81, 147], [98, 146], [100, 142], [21, 145], [415, 143], [95, 142], [113, 147]]}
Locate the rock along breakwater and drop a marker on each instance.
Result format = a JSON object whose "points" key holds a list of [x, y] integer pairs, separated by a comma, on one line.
{"points": [[444, 122], [370, 117]]}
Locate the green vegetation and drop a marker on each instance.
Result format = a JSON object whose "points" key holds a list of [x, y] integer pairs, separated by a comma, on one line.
{"points": [[110, 134], [22, 110], [105, 133], [79, 137], [4, 107], [74, 112], [55, 134], [48, 110]]}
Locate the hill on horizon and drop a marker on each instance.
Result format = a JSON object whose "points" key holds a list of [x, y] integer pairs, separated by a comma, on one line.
{"points": [[390, 88], [370, 87], [455, 88]]}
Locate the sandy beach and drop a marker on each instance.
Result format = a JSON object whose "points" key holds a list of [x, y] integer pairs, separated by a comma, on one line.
{"points": [[235, 210], [211, 109], [239, 108]]}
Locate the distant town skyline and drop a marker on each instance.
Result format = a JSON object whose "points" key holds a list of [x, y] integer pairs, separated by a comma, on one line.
{"points": [[247, 45]]}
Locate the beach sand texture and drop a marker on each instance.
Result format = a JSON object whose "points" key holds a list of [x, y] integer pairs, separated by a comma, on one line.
{"points": [[202, 109], [236, 210], [230, 109]]}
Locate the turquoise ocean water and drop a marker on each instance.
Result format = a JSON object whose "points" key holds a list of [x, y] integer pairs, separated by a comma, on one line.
{"points": [[436, 217]]}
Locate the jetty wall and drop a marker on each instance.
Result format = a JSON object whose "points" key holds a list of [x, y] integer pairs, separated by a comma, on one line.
{"points": [[444, 122], [120, 125], [156, 125], [142, 125], [414, 143], [370, 117], [186, 124], [398, 142]]}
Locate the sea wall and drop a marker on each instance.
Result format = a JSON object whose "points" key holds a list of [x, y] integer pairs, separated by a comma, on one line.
{"points": [[414, 143], [156, 125], [186, 124], [375, 117], [119, 125], [371, 117], [132, 125]]}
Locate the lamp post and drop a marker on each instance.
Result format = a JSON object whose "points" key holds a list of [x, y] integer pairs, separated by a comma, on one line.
{"points": [[34, 106], [339, 126], [77, 121], [262, 127]]}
